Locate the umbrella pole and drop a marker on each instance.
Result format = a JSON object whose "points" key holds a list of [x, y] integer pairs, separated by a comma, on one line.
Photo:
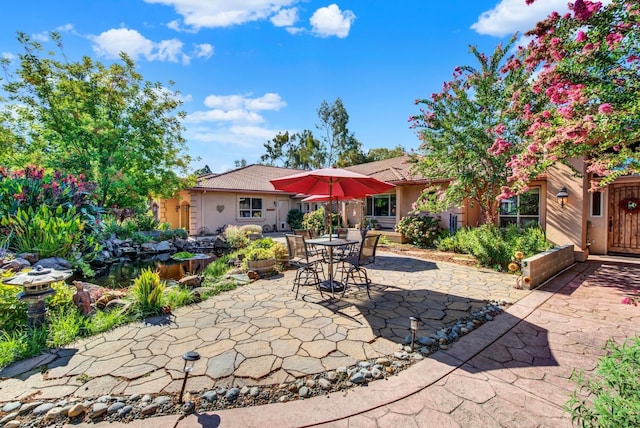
{"points": [[330, 209]]}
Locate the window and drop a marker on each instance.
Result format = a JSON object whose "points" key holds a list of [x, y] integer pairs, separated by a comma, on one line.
{"points": [[596, 204], [250, 207], [381, 205], [523, 210]]}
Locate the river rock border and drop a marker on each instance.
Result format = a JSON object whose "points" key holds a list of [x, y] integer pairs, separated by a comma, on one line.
{"points": [[128, 408]]}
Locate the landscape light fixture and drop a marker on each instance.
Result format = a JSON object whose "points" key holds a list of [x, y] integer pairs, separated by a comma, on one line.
{"points": [[189, 360], [562, 196], [413, 321]]}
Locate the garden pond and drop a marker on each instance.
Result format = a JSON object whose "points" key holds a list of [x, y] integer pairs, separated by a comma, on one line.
{"points": [[121, 275]]}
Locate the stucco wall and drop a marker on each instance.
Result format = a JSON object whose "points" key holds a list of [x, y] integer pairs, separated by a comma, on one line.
{"points": [[566, 225]]}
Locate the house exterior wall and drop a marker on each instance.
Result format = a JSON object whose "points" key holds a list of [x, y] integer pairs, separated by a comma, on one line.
{"points": [[568, 224], [216, 209]]}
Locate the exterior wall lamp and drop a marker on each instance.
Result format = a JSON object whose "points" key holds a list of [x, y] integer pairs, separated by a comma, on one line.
{"points": [[562, 196], [177, 208]]}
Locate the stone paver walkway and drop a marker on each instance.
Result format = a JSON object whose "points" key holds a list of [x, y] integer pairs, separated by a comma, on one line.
{"points": [[258, 334], [511, 372]]}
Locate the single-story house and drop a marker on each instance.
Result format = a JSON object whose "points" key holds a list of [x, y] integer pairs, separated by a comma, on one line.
{"points": [[594, 222]]}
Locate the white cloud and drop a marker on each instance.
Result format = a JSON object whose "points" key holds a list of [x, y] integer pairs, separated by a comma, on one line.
{"points": [[285, 17], [210, 14], [110, 43], [203, 50], [510, 16], [331, 21], [268, 101]]}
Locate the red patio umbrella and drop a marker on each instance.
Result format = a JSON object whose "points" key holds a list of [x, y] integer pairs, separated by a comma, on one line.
{"points": [[332, 182]]}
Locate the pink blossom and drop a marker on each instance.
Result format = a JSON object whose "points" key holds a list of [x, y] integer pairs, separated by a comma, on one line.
{"points": [[499, 129], [605, 108], [529, 2], [581, 37], [613, 40], [584, 9]]}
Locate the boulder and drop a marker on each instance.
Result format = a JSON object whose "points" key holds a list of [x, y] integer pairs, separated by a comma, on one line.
{"points": [[190, 281]]}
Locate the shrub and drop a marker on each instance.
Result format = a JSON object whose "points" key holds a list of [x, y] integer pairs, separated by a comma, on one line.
{"points": [[145, 221], [179, 296], [494, 247], [13, 313], [614, 390], [49, 232], [250, 228], [235, 237], [148, 292], [314, 220], [219, 267], [294, 219], [421, 231]]}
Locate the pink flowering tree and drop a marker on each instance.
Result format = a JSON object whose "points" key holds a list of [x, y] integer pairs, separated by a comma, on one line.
{"points": [[470, 131], [587, 64]]}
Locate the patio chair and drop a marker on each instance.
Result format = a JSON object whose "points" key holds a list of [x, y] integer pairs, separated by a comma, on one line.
{"points": [[309, 234], [353, 267], [309, 267]]}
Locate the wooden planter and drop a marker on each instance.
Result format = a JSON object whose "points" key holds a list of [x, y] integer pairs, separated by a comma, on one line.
{"points": [[262, 267]]}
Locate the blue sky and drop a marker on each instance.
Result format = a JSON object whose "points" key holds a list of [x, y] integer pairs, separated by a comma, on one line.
{"points": [[248, 69]]}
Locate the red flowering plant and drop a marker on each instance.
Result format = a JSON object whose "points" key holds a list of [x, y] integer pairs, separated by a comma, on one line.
{"points": [[32, 187], [587, 63], [632, 300]]}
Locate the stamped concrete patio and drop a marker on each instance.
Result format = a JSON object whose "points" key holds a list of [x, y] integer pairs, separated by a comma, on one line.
{"points": [[258, 334]]}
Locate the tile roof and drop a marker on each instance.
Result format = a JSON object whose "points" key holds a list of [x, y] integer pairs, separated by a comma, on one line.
{"points": [[394, 170], [253, 178]]}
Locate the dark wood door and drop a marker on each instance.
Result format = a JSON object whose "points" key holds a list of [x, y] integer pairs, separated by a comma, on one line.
{"points": [[624, 224]]}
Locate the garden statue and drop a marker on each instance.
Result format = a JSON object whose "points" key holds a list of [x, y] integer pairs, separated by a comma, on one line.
{"points": [[82, 298]]}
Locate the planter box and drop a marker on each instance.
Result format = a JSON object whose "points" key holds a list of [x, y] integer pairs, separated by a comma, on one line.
{"points": [[262, 267]]}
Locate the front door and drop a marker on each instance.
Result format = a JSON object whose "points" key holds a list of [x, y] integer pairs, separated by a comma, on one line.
{"points": [[281, 214], [624, 218]]}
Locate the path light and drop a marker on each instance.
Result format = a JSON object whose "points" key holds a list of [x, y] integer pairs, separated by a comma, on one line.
{"points": [[414, 328], [189, 360], [562, 196]]}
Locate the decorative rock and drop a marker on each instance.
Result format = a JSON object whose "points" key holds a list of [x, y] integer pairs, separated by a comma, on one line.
{"points": [[65, 410], [115, 407], [150, 409], [221, 391], [324, 384], [61, 403], [283, 399], [146, 398], [76, 410], [358, 378], [134, 397], [232, 394], [401, 355], [254, 392], [383, 361], [98, 410], [12, 424], [43, 408], [244, 390], [162, 399], [7, 418], [310, 383], [53, 413], [304, 392], [444, 346], [188, 407], [210, 396], [364, 364], [10, 407], [377, 373], [125, 411], [104, 399], [332, 376], [417, 356]]}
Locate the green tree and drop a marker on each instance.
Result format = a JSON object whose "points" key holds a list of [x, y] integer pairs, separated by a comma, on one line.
{"points": [[303, 150], [121, 132], [587, 63], [383, 153], [463, 132]]}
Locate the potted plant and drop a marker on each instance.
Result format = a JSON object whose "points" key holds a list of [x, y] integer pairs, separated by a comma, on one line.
{"points": [[261, 260], [281, 253]]}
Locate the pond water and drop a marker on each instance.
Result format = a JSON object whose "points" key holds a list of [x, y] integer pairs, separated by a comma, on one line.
{"points": [[119, 275]]}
